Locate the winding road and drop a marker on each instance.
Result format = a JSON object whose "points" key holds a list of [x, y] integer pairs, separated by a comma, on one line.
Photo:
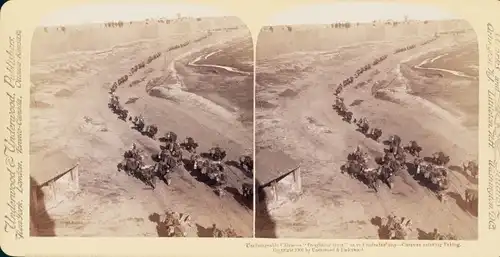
{"points": [[431, 60], [194, 63], [100, 147], [302, 127]]}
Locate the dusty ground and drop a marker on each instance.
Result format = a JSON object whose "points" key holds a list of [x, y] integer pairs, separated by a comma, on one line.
{"points": [[70, 117], [295, 124]]}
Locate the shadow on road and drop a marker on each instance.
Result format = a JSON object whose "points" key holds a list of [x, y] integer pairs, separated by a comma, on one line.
{"points": [[41, 224], [420, 178], [462, 203], [196, 174], [265, 226], [422, 235], [239, 198], [460, 170], [204, 232], [383, 233], [236, 165], [161, 229]]}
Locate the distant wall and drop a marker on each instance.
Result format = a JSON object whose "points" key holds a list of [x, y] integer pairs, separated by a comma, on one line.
{"points": [[48, 41], [323, 37]]}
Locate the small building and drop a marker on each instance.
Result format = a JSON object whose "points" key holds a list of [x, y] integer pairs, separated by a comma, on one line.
{"points": [[283, 189], [279, 185], [54, 177]]}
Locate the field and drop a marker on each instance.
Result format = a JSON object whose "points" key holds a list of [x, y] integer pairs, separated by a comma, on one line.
{"points": [[72, 72], [428, 93]]}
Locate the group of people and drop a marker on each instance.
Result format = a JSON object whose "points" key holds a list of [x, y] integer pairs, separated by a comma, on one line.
{"points": [[394, 158], [436, 36], [380, 59], [399, 228], [348, 81], [209, 33], [375, 62], [143, 64], [364, 128], [140, 125], [393, 161], [166, 161], [361, 70], [362, 123], [114, 102], [170, 155], [134, 165], [454, 32], [174, 47], [433, 172], [211, 168], [342, 109], [390, 164], [116, 107], [404, 49], [342, 25]]}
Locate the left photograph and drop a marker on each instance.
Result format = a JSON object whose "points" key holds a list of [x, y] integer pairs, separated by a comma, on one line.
{"points": [[141, 123]]}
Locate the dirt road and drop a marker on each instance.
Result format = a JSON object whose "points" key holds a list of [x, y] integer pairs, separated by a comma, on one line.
{"points": [[296, 124], [70, 116]]}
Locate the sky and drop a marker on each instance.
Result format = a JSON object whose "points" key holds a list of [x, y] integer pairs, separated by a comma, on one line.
{"points": [[358, 12], [99, 13]]}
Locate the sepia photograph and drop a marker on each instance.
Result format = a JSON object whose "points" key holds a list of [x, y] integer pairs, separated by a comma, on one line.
{"points": [[366, 123], [141, 123]]}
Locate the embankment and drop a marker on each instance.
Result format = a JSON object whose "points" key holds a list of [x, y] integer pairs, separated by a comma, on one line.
{"points": [[91, 37], [323, 37]]}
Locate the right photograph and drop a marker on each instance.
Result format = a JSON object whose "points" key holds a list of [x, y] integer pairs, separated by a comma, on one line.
{"points": [[366, 124]]}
